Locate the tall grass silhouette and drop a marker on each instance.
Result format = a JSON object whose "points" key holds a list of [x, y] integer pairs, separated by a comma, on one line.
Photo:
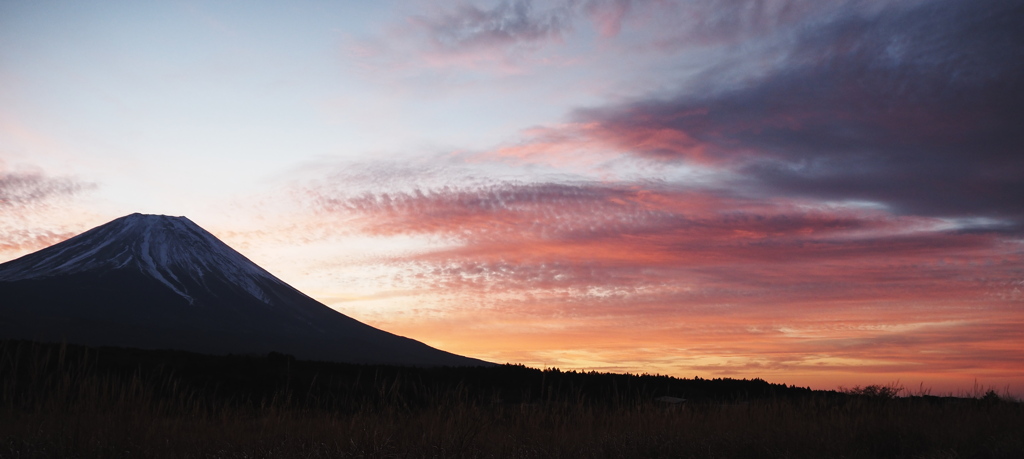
{"points": [[69, 401]]}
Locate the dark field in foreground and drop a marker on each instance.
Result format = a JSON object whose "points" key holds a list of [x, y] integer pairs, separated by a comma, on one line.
{"points": [[70, 401]]}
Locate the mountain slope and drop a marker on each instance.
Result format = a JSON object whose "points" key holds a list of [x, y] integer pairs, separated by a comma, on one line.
{"points": [[155, 281]]}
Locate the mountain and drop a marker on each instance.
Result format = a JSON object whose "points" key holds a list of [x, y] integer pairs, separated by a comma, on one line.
{"points": [[160, 282]]}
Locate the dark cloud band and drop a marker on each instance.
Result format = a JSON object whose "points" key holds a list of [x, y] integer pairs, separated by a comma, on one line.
{"points": [[918, 109]]}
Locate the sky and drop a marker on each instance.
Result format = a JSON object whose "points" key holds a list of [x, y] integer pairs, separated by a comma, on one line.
{"points": [[813, 192]]}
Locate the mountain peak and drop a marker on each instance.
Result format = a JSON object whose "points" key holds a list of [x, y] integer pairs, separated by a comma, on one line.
{"points": [[172, 250], [154, 222], [147, 216], [141, 217]]}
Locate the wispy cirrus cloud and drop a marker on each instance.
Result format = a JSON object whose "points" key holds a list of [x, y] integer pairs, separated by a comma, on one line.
{"points": [[27, 188], [508, 24], [516, 36], [26, 197], [679, 25], [506, 38]]}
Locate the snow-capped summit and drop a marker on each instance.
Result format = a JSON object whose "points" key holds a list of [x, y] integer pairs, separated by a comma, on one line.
{"points": [[156, 281], [172, 250]]}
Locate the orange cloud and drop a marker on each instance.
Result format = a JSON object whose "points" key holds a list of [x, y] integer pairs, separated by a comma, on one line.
{"points": [[603, 276]]}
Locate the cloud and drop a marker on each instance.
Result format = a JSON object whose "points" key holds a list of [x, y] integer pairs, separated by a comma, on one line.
{"points": [[594, 143], [609, 15], [18, 189], [23, 240], [918, 109], [462, 41], [673, 27], [637, 243], [662, 276], [28, 199], [509, 23], [516, 36]]}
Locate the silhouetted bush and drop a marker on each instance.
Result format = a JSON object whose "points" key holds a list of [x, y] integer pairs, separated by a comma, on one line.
{"points": [[876, 391]]}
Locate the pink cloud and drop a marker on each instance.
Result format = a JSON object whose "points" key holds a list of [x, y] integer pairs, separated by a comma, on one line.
{"points": [[20, 241], [591, 143], [31, 204], [550, 236], [780, 287], [608, 16]]}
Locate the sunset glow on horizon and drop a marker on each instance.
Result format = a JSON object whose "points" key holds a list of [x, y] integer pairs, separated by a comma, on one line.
{"points": [[819, 193]]}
